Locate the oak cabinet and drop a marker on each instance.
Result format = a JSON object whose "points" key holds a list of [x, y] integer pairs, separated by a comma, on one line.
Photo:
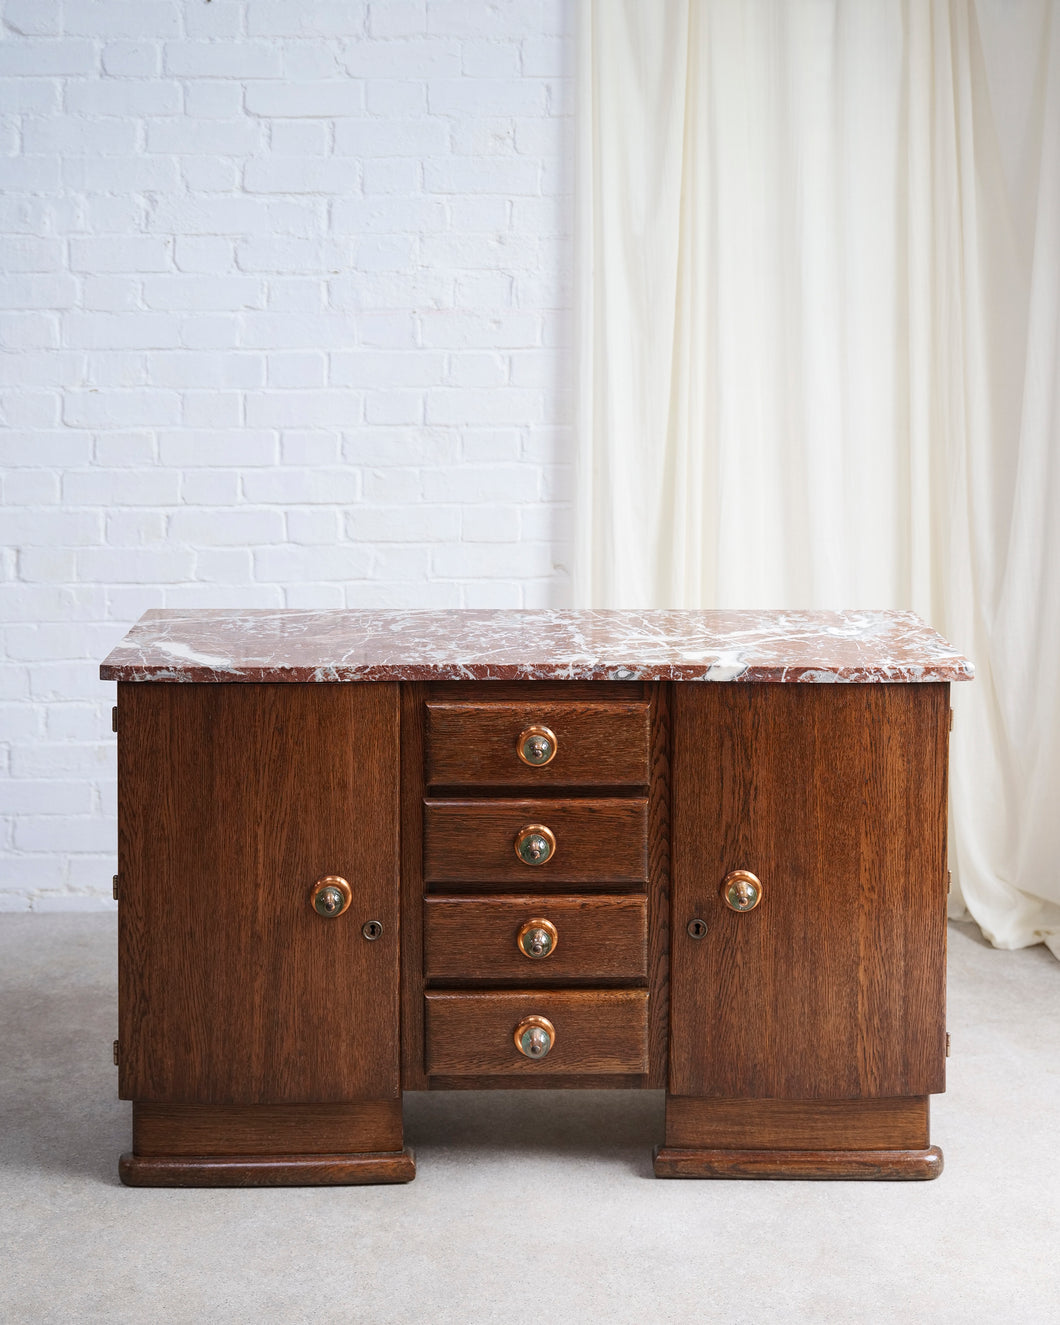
{"points": [[366, 853]]}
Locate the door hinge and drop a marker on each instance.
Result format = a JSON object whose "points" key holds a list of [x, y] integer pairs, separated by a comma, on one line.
{"points": [[114, 718], [114, 888], [951, 719], [949, 882], [115, 1052], [947, 1044]]}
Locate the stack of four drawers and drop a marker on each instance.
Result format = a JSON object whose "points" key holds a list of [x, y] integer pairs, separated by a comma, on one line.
{"points": [[535, 872]]}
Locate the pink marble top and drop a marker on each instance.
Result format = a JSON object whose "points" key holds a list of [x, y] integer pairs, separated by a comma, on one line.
{"points": [[570, 645]]}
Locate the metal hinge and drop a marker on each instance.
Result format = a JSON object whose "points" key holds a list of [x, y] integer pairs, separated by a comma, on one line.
{"points": [[947, 1044], [949, 882], [114, 718], [951, 719], [114, 888], [115, 1053]]}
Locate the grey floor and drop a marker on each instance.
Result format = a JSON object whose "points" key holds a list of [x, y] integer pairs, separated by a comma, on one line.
{"points": [[527, 1207]]}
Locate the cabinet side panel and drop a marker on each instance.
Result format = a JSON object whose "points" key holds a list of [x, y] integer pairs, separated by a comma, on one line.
{"points": [[233, 800], [834, 985]]}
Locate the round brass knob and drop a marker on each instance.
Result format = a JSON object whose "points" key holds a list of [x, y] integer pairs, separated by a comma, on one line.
{"points": [[534, 1037], [535, 844], [330, 896], [741, 890], [537, 746], [537, 939]]}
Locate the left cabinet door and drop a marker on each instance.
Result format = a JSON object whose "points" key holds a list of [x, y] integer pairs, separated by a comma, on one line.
{"points": [[233, 799]]}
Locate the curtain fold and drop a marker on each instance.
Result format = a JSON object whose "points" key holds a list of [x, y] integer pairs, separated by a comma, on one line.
{"points": [[819, 354]]}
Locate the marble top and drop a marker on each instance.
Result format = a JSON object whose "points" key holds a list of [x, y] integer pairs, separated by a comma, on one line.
{"points": [[546, 644]]}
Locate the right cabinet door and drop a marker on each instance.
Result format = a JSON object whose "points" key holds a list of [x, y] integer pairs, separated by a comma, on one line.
{"points": [[834, 796]]}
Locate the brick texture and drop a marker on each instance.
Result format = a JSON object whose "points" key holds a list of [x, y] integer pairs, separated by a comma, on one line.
{"points": [[284, 321]]}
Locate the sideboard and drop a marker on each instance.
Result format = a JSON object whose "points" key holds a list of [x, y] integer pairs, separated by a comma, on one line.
{"points": [[369, 852]]}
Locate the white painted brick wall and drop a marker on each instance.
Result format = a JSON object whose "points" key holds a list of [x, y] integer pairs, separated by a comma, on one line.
{"points": [[284, 317]]}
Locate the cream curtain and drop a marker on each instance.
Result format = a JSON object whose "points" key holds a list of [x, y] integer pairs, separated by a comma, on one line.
{"points": [[819, 247]]}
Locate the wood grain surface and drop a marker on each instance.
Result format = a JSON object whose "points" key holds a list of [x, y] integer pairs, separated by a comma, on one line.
{"points": [[869, 1124], [267, 1171], [533, 692], [599, 841], [835, 796], [233, 800], [597, 743], [474, 938], [266, 1129], [821, 1165], [413, 717], [659, 887], [597, 1031], [559, 1081]]}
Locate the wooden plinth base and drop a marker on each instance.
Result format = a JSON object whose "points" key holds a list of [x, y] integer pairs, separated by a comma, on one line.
{"points": [[820, 1165], [267, 1145], [266, 1171], [882, 1139]]}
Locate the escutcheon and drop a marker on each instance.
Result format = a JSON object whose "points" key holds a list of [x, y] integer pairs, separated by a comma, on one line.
{"points": [[535, 844], [741, 890], [534, 1037]]}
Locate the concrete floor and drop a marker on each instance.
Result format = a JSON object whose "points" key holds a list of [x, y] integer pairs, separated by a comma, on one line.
{"points": [[528, 1207]]}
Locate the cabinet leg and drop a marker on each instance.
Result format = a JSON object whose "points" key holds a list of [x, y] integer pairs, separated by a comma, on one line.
{"points": [[745, 1138], [267, 1145]]}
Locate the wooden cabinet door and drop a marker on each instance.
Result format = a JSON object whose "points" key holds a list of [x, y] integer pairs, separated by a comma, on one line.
{"points": [[835, 797], [233, 800]]}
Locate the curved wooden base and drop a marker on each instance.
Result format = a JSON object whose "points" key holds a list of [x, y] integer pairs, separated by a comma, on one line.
{"points": [[880, 1165], [267, 1170], [267, 1145]]}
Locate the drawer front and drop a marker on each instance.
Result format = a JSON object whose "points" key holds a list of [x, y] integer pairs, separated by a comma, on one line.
{"points": [[477, 938], [596, 1032], [596, 744], [596, 841]]}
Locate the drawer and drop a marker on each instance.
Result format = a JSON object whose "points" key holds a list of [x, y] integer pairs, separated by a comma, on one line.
{"points": [[596, 841], [596, 1031], [477, 938], [590, 744]]}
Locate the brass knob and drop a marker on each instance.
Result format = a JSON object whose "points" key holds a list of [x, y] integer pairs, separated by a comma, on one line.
{"points": [[741, 890], [535, 844], [330, 896], [537, 746], [537, 939], [534, 1037]]}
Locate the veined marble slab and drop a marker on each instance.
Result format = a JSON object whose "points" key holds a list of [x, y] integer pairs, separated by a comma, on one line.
{"points": [[546, 644]]}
